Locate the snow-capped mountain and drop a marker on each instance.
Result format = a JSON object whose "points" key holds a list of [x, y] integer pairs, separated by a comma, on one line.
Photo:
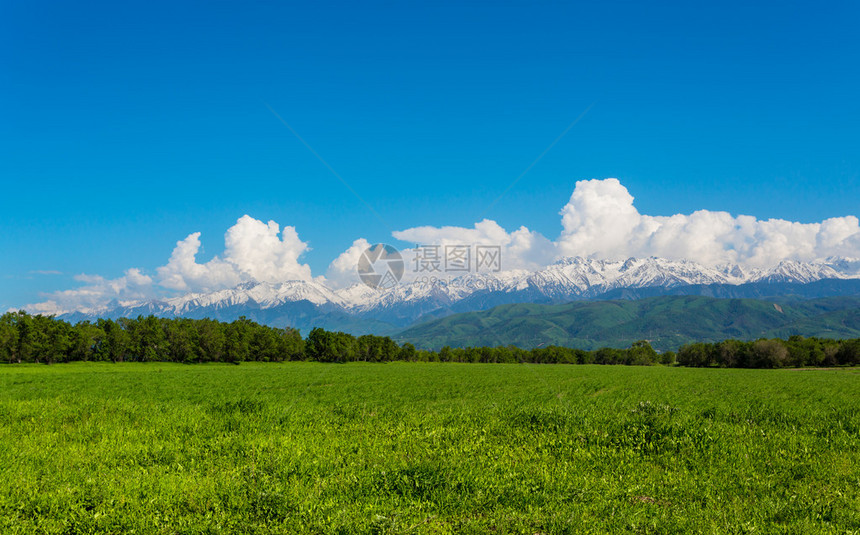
{"points": [[359, 307], [847, 267], [579, 277]]}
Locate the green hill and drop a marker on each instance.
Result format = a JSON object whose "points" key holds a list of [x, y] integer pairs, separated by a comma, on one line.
{"points": [[668, 322]]}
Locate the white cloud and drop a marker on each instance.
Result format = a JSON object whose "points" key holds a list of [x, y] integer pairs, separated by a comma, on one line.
{"points": [[520, 249], [45, 272], [261, 255], [342, 272], [254, 251], [599, 218], [601, 221], [96, 293], [182, 271]]}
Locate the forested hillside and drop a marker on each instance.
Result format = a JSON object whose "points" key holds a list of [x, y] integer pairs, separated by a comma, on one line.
{"points": [[668, 322]]}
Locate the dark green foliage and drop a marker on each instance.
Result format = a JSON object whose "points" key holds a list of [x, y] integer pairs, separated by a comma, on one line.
{"points": [[26, 338], [325, 346], [797, 351], [9, 338], [42, 339]]}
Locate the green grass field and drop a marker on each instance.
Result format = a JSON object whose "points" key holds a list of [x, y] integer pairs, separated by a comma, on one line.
{"points": [[427, 448]]}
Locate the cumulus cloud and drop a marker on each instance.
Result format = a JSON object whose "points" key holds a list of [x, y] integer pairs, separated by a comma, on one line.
{"points": [[96, 292], [342, 271], [261, 255], [520, 249], [254, 252], [601, 221], [182, 271]]}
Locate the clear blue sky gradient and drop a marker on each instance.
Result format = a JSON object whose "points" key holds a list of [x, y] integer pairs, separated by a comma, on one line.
{"points": [[125, 126]]}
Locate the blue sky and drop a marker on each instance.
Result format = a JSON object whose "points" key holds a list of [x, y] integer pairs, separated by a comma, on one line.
{"points": [[125, 127]]}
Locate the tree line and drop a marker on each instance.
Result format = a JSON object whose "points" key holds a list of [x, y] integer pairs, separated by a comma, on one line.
{"points": [[795, 352], [45, 339]]}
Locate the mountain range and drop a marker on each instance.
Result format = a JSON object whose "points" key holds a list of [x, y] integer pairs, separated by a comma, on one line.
{"points": [[360, 309]]}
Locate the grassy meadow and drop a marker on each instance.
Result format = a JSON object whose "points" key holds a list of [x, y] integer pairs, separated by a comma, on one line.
{"points": [[427, 448]]}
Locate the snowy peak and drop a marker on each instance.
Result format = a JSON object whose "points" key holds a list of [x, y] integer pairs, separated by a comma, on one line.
{"points": [[847, 267], [565, 280], [584, 277], [792, 271], [264, 294]]}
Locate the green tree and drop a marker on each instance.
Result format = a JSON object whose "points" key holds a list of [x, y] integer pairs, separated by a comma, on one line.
{"points": [[290, 344], [641, 353], [769, 354], [849, 353], [9, 338], [115, 344], [56, 339], [181, 338], [211, 340], [326, 346], [695, 355], [407, 352], [237, 340], [83, 339]]}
